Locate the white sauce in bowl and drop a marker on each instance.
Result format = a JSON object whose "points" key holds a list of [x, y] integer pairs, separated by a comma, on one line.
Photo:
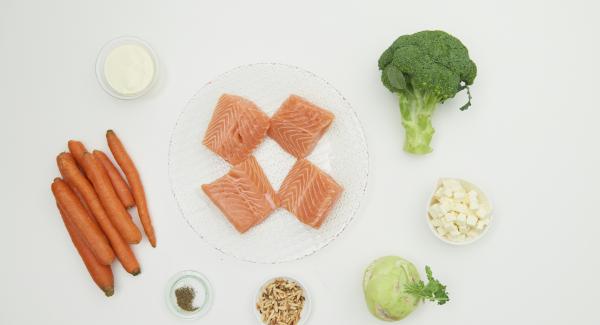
{"points": [[129, 69]]}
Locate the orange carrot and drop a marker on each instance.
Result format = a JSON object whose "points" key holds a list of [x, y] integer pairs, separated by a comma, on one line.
{"points": [[85, 205], [101, 274], [74, 177], [110, 201], [133, 177], [116, 179], [90, 232], [77, 149]]}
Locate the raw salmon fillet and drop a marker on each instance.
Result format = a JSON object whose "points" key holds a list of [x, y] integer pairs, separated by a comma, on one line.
{"points": [[309, 193], [298, 125], [237, 127], [244, 195]]}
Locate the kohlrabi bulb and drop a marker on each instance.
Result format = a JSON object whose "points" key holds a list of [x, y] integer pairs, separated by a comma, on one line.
{"points": [[383, 285]]}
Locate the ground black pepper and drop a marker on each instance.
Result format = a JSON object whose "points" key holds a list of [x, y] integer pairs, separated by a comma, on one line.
{"points": [[185, 298]]}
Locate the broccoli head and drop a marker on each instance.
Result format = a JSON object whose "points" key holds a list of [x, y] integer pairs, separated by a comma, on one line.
{"points": [[425, 69]]}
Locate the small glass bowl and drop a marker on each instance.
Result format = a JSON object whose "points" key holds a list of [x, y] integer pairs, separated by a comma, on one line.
{"points": [[204, 293], [468, 186], [107, 48], [306, 309]]}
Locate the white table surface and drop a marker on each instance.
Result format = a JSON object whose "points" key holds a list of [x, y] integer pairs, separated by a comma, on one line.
{"points": [[530, 141]]}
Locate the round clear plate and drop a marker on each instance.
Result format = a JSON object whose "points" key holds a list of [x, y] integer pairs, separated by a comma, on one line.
{"points": [[342, 152]]}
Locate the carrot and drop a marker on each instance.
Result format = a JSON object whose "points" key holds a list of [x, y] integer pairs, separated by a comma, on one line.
{"points": [[85, 205], [116, 179], [74, 177], [77, 149], [90, 232], [101, 274], [110, 201], [133, 177]]}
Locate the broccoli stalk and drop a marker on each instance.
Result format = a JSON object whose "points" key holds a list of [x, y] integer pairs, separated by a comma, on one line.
{"points": [[416, 110], [424, 69]]}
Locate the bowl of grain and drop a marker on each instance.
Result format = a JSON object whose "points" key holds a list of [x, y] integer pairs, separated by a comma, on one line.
{"points": [[282, 300]]}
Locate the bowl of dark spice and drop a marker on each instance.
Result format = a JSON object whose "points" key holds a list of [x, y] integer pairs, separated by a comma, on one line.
{"points": [[189, 294]]}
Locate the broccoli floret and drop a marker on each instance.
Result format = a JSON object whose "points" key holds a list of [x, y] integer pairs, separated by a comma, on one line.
{"points": [[425, 69]]}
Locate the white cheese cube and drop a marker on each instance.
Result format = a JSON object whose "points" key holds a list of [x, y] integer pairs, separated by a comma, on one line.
{"points": [[480, 225], [446, 183], [472, 220], [459, 207], [447, 192], [472, 233], [441, 231], [459, 237], [473, 200], [449, 225], [454, 233], [464, 229], [482, 212], [445, 208], [435, 222], [474, 205], [459, 195], [452, 184], [439, 193], [446, 200], [461, 219], [472, 195], [451, 217], [445, 204], [452, 229], [435, 211]]}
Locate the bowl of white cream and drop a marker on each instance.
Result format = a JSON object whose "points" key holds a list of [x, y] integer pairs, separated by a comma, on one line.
{"points": [[127, 67]]}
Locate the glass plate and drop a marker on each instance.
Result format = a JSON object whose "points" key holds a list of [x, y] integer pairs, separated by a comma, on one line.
{"points": [[342, 152]]}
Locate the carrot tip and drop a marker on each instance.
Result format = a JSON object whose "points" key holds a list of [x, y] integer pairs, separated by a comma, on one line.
{"points": [[109, 131], [134, 242], [109, 291], [136, 272]]}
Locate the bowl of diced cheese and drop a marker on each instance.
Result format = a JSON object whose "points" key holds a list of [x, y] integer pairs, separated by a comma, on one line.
{"points": [[458, 213]]}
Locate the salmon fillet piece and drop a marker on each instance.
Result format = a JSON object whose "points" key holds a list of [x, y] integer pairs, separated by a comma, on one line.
{"points": [[298, 125], [244, 195], [309, 193], [236, 128]]}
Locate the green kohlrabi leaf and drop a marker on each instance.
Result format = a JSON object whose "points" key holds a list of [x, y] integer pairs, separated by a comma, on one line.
{"points": [[434, 290]]}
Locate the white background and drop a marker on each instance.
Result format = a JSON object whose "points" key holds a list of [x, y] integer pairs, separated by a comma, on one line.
{"points": [[530, 141]]}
